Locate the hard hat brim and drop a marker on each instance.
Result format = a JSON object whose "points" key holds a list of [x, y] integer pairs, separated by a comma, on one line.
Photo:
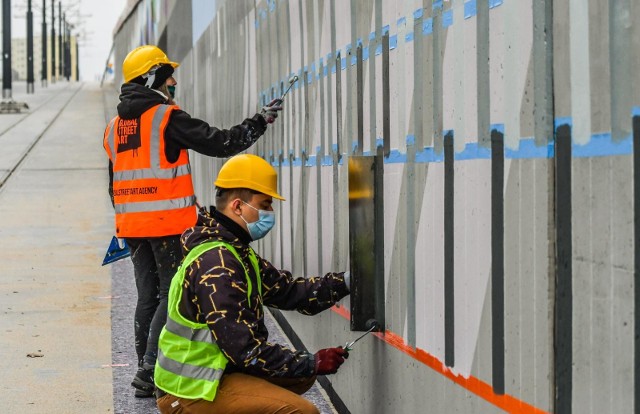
{"points": [[239, 183]]}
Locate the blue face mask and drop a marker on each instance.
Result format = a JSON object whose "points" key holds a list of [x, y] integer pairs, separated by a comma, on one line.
{"points": [[172, 90], [266, 220]]}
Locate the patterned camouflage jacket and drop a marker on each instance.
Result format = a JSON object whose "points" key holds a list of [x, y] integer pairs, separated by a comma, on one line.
{"points": [[215, 293]]}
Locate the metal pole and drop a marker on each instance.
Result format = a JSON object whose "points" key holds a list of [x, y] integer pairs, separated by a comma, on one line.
{"points": [[44, 43], [67, 50], [60, 34], [77, 60], [30, 76], [53, 42], [6, 49]]}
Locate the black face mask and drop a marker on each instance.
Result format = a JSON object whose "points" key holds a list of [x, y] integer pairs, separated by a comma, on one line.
{"points": [[172, 91]]}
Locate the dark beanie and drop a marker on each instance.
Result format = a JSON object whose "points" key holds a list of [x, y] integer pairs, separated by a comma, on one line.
{"points": [[163, 73]]}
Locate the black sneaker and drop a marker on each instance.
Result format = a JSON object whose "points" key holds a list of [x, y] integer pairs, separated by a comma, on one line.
{"points": [[143, 394], [143, 381]]}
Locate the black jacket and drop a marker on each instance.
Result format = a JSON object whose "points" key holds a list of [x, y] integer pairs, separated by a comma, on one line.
{"points": [[215, 293], [185, 132]]}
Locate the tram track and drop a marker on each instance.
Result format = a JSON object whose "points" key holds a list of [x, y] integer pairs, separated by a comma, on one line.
{"points": [[31, 146]]}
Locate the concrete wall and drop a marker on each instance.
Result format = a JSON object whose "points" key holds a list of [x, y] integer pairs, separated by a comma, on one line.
{"points": [[509, 261]]}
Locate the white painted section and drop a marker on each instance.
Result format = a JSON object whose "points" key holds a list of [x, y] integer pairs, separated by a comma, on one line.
{"points": [[497, 65], [392, 176], [472, 256], [457, 35], [470, 76], [430, 265], [580, 71], [512, 73], [327, 213], [286, 223]]}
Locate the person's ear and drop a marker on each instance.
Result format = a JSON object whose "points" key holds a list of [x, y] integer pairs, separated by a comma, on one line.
{"points": [[236, 206]]}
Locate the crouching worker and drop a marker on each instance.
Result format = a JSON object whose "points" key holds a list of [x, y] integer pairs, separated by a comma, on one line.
{"points": [[214, 356]]}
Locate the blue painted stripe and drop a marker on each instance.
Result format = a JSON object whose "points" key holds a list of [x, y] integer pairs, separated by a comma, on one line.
{"points": [[529, 150], [600, 145], [447, 18], [473, 151], [470, 9], [429, 155], [396, 157], [427, 27], [365, 53], [311, 161]]}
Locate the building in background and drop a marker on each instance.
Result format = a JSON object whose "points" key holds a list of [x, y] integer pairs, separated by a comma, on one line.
{"points": [[19, 59]]}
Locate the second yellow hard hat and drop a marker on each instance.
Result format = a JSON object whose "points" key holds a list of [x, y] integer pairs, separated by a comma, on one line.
{"points": [[249, 171]]}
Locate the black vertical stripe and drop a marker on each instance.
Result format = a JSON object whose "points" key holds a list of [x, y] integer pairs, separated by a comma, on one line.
{"points": [[339, 105], [386, 131], [449, 353], [497, 260], [636, 258], [360, 98], [378, 238], [563, 301]]}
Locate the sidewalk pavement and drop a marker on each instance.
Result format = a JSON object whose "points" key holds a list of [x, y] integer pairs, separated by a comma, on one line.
{"points": [[66, 323], [54, 223]]}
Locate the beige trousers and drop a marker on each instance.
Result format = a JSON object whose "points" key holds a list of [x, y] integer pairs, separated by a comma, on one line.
{"points": [[246, 394]]}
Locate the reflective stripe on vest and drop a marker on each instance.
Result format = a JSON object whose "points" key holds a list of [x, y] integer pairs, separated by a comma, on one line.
{"points": [[172, 204], [147, 173], [190, 363], [196, 335], [189, 371]]}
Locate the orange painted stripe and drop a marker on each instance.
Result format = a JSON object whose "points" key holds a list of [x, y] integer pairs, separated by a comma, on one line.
{"points": [[476, 386]]}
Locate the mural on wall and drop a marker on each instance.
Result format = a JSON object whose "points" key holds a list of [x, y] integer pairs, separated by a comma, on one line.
{"points": [[505, 138]]}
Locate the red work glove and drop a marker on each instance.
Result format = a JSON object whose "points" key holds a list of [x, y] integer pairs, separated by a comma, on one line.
{"points": [[328, 360]]}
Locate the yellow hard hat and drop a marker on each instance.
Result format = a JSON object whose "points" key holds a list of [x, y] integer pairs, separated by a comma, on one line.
{"points": [[249, 171], [141, 59]]}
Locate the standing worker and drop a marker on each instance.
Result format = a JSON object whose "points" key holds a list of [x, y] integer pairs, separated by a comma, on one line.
{"points": [[214, 355], [151, 188]]}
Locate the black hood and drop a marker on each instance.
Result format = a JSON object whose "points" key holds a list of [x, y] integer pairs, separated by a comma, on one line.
{"points": [[136, 99]]}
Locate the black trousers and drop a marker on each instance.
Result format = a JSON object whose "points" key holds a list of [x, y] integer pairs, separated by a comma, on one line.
{"points": [[155, 261]]}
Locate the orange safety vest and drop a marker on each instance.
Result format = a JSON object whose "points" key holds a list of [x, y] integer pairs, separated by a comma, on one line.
{"points": [[153, 197]]}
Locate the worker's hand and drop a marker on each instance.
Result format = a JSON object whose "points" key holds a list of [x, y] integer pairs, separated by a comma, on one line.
{"points": [[270, 110], [328, 360]]}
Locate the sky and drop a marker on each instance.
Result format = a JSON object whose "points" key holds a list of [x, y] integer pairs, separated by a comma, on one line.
{"points": [[98, 18]]}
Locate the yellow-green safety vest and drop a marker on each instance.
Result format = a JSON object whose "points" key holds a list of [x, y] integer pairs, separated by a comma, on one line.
{"points": [[190, 363]]}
